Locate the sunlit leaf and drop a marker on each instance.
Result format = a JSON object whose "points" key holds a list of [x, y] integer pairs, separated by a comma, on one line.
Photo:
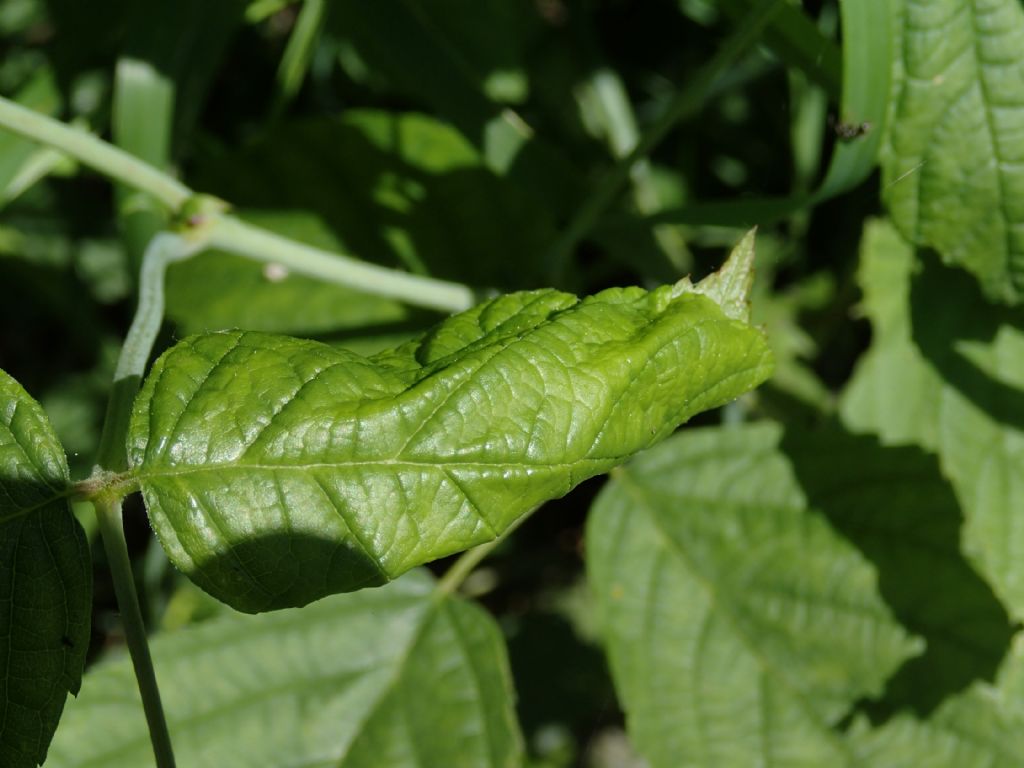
{"points": [[277, 470], [953, 171]]}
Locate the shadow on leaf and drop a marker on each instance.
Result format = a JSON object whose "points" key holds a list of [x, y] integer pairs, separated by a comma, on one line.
{"points": [[894, 505], [948, 311]]}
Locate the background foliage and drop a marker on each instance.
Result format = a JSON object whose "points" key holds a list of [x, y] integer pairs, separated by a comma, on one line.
{"points": [[825, 572]]}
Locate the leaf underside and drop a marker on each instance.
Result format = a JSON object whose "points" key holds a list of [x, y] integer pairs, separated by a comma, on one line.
{"points": [[277, 471], [398, 677], [951, 382], [740, 626], [45, 581], [980, 728]]}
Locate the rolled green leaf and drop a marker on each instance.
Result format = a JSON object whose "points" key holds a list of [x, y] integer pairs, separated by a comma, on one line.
{"points": [[45, 581], [277, 471]]}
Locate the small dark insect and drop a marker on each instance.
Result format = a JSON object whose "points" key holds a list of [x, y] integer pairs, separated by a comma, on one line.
{"points": [[67, 642], [848, 131]]}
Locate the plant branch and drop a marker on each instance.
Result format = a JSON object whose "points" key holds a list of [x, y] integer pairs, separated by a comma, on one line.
{"points": [[108, 513], [138, 345], [230, 234], [686, 103], [93, 152]]}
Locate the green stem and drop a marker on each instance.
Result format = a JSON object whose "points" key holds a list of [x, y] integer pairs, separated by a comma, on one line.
{"points": [[231, 234], [236, 236], [138, 345], [93, 152], [108, 513], [131, 364], [686, 103]]}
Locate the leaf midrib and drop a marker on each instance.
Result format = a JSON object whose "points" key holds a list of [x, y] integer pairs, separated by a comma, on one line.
{"points": [[142, 473]]}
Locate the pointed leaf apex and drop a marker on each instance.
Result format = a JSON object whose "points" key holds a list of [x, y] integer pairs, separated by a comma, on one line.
{"points": [[730, 286]]}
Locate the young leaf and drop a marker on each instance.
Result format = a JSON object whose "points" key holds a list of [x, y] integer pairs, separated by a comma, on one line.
{"points": [[45, 581], [952, 172], [740, 627], [388, 678], [277, 471], [953, 382]]}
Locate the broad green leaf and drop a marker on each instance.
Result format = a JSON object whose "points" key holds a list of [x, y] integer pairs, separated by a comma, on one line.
{"points": [[980, 729], [218, 290], [952, 381], [740, 627], [45, 581], [895, 506], [953, 170], [277, 470], [400, 677]]}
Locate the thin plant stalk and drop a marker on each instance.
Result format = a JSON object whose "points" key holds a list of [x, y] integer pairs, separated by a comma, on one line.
{"points": [[111, 457], [229, 233], [108, 514]]}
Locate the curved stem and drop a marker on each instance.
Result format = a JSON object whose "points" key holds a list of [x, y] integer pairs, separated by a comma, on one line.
{"points": [[93, 152], [112, 457], [230, 234], [685, 103], [108, 513], [138, 345]]}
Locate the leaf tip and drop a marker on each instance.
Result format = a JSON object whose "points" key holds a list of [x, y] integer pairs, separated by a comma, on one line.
{"points": [[730, 286]]}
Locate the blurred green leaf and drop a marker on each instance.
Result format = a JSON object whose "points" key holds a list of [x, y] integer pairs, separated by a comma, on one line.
{"points": [[398, 189], [216, 291], [795, 38], [979, 729], [951, 381], [895, 506], [741, 628], [462, 59], [45, 581], [172, 51], [868, 28], [953, 169], [387, 678], [22, 162]]}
